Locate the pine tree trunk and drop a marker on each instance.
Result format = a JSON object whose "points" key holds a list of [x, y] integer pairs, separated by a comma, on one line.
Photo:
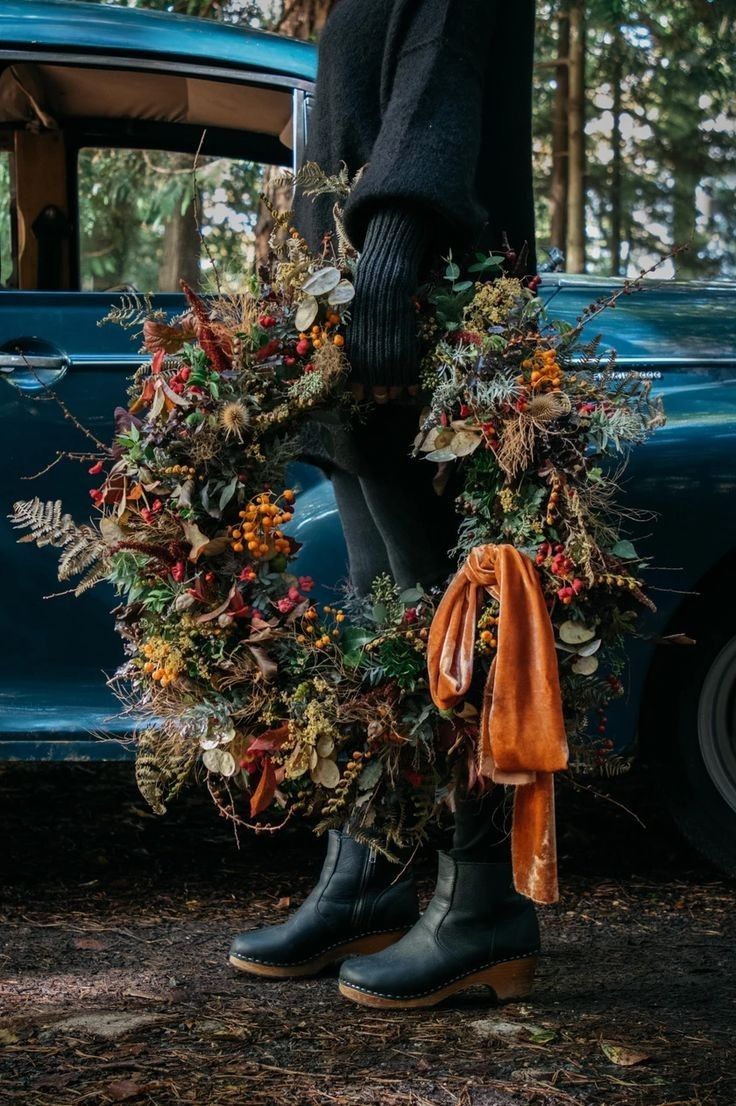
{"points": [[558, 184], [180, 254], [617, 158], [576, 142], [303, 18]]}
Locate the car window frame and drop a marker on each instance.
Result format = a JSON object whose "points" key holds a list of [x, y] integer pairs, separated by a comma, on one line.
{"points": [[302, 92]]}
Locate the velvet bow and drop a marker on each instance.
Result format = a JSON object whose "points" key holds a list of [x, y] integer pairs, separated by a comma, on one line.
{"points": [[522, 733]]}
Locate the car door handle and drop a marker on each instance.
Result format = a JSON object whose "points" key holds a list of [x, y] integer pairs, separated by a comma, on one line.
{"points": [[9, 362], [32, 365]]}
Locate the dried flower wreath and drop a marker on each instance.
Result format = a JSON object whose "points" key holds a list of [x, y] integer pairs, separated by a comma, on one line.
{"points": [[232, 671]]}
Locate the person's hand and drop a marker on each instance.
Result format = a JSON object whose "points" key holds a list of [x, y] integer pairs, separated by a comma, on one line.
{"points": [[381, 341], [381, 394]]}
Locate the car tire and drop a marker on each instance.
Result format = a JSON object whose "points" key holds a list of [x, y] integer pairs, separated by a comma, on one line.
{"points": [[690, 734]]}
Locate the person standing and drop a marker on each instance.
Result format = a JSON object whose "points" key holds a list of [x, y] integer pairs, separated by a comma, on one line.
{"points": [[434, 98]]}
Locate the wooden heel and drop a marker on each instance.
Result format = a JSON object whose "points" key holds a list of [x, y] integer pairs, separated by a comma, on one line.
{"points": [[510, 979]]}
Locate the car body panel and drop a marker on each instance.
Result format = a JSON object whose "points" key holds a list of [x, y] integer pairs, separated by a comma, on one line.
{"points": [[53, 26], [56, 651]]}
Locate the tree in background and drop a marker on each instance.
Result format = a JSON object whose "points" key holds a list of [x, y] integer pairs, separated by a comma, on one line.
{"points": [[635, 116]]}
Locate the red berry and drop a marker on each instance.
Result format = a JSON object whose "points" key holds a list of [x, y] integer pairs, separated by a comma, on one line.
{"points": [[266, 321], [184, 373], [303, 347], [96, 469]]}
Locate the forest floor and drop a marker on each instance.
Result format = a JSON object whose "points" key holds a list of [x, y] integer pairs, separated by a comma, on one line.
{"points": [[114, 984]]}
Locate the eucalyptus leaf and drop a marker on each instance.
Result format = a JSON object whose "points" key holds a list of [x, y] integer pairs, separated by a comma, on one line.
{"points": [[411, 596], [343, 292], [575, 633], [442, 455], [625, 550], [379, 614], [306, 313], [324, 280], [370, 775], [585, 666]]}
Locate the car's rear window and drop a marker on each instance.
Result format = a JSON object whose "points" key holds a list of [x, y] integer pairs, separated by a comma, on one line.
{"points": [[147, 219]]}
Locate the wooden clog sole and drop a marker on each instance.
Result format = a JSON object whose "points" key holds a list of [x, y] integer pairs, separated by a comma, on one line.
{"points": [[509, 979], [362, 946]]}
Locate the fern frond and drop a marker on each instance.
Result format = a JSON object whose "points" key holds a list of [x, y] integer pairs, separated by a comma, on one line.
{"points": [[345, 248], [94, 575], [162, 767], [85, 551], [47, 524], [313, 180], [83, 546], [133, 310]]}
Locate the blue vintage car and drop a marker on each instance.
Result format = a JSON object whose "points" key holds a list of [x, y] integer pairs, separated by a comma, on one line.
{"points": [[90, 95]]}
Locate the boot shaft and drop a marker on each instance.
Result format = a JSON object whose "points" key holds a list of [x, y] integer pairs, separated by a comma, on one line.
{"points": [[358, 885], [473, 900]]}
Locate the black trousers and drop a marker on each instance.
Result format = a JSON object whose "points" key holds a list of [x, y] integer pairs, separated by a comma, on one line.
{"points": [[394, 522]]}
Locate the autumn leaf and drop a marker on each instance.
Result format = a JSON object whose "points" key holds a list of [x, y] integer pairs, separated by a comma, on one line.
{"points": [[93, 944], [271, 739], [122, 1090], [623, 1055], [264, 793], [201, 544], [266, 664]]}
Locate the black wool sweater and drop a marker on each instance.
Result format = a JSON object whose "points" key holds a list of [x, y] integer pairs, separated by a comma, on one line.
{"points": [[434, 98]]}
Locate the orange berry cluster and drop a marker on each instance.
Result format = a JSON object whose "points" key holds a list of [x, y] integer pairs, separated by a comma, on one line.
{"points": [[258, 531], [315, 632], [488, 630], [544, 371], [554, 497], [163, 663], [320, 335]]}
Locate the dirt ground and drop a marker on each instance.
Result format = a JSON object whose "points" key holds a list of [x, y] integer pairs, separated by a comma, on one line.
{"points": [[114, 985]]}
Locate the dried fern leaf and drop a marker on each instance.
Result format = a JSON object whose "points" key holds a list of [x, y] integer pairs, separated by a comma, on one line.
{"points": [[47, 524]]}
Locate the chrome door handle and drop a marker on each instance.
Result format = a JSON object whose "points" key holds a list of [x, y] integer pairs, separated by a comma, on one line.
{"points": [[32, 365], [9, 362]]}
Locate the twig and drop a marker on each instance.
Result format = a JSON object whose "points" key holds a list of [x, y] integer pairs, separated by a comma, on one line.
{"points": [[600, 795], [198, 213]]}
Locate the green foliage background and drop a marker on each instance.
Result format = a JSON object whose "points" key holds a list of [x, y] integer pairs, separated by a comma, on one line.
{"points": [[675, 66]]}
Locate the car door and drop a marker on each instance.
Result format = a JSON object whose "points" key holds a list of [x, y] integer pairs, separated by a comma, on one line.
{"points": [[108, 222]]}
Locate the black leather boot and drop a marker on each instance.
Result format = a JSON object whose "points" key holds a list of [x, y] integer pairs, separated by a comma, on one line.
{"points": [[476, 929], [355, 908]]}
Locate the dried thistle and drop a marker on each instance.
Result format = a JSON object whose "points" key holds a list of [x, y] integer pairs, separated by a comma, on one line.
{"points": [[234, 418]]}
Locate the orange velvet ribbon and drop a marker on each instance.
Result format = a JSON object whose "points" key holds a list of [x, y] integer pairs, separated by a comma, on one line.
{"points": [[522, 732]]}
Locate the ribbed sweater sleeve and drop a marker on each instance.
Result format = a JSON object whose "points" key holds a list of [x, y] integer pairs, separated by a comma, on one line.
{"points": [[381, 339]]}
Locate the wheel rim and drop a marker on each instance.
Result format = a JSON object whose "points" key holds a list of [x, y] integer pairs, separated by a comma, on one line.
{"points": [[717, 722]]}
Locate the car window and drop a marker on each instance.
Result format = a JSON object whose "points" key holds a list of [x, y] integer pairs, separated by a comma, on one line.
{"points": [[6, 250], [147, 219]]}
